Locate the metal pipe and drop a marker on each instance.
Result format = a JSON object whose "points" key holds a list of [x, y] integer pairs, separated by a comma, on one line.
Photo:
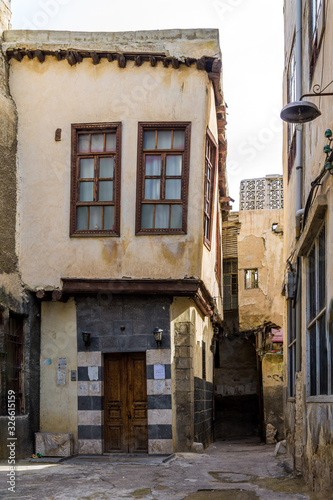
{"points": [[299, 175]]}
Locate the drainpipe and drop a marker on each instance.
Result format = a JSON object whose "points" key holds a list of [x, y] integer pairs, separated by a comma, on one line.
{"points": [[299, 174], [299, 134]]}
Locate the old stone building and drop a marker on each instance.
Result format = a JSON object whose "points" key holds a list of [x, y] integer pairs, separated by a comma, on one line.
{"points": [[248, 369], [19, 323], [308, 168], [121, 188]]}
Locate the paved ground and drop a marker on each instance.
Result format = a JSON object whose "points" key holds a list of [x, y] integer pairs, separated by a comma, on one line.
{"points": [[243, 470]]}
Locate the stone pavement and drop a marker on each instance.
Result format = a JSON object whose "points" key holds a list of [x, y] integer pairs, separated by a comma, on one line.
{"points": [[238, 470]]}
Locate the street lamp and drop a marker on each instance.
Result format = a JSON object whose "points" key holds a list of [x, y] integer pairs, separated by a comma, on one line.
{"points": [[304, 111]]}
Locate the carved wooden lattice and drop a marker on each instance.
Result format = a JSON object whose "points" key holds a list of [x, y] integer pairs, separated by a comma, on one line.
{"points": [[264, 193]]}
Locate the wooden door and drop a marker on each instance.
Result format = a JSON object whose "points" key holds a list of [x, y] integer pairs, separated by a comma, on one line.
{"points": [[125, 406]]}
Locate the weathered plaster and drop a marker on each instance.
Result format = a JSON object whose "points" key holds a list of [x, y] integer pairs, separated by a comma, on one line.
{"points": [[44, 202], [260, 247], [179, 43], [58, 412]]}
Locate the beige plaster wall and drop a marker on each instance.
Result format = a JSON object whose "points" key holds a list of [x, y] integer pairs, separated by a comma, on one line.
{"points": [[260, 247], [183, 311], [58, 410], [53, 95]]}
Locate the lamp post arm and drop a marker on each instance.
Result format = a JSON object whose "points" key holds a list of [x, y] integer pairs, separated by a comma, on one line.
{"points": [[317, 90]]}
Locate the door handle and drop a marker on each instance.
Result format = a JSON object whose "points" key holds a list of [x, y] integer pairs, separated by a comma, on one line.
{"points": [[129, 415]]}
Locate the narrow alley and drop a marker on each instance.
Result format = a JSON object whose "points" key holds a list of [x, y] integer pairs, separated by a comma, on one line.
{"points": [[235, 470]]}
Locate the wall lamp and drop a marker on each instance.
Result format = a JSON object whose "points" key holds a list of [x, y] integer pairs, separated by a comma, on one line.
{"points": [[304, 111], [86, 338], [158, 333]]}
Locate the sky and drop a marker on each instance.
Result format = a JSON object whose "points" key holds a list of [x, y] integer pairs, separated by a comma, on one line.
{"points": [[251, 39]]}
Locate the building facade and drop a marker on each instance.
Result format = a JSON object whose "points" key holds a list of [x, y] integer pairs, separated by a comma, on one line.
{"points": [[307, 157], [121, 188], [248, 369], [19, 310]]}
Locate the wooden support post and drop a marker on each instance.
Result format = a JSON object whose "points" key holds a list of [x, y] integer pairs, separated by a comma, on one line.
{"points": [[153, 61], [40, 55], [95, 57], [121, 60]]}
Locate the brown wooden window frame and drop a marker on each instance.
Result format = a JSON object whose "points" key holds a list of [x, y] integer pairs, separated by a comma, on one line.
{"points": [[291, 97], [317, 10], [93, 129], [142, 177], [218, 254], [210, 176]]}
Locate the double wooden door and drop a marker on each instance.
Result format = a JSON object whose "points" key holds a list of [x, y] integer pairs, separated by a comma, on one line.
{"points": [[125, 403]]}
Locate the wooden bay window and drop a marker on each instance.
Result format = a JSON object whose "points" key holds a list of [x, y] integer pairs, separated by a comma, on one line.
{"points": [[162, 180], [95, 195]]}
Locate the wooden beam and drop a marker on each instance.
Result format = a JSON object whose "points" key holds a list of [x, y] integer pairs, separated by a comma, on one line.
{"points": [[95, 57], [41, 294], [70, 56], [138, 61], [166, 62], [175, 63], [153, 61], [188, 62], [201, 63], [109, 57], [28, 53], [121, 60], [40, 55], [17, 54]]}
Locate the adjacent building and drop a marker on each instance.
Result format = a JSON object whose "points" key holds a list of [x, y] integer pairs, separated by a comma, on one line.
{"points": [[19, 321], [248, 369], [308, 183], [120, 193]]}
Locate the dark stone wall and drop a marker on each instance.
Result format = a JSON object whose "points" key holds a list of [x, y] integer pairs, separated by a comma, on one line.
{"points": [[203, 411], [106, 315]]}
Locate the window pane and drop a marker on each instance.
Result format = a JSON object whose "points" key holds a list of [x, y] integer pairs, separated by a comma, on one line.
{"points": [[312, 284], [83, 143], [106, 191], [153, 165], [110, 142], [248, 276], [147, 216], [106, 166], [81, 218], [323, 356], [86, 191], [152, 189], [313, 361], [162, 216], [322, 270], [178, 139], [176, 217], [87, 168], [174, 165], [173, 189], [109, 217], [97, 142], [149, 140], [164, 139], [95, 217]]}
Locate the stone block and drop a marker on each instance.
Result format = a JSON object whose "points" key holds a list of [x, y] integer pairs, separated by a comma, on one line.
{"points": [[197, 448], [54, 444]]}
